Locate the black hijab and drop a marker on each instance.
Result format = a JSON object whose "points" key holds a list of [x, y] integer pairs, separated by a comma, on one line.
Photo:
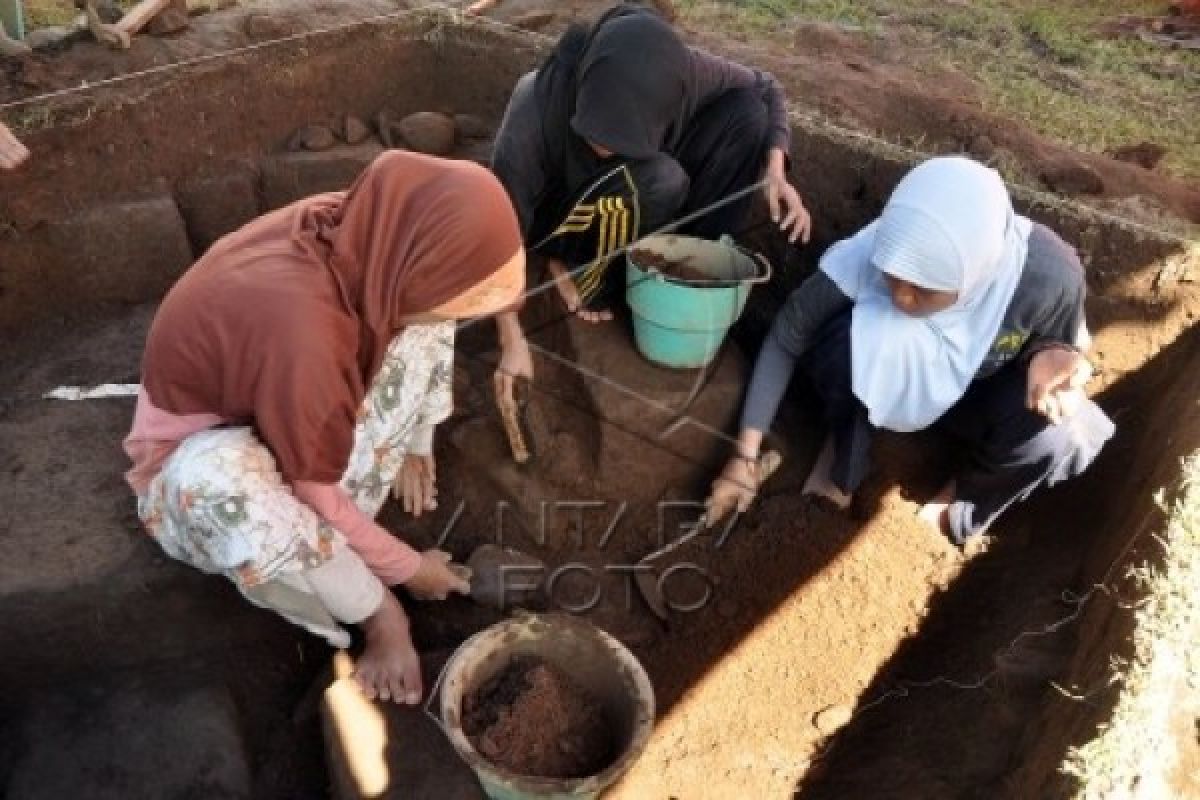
{"points": [[631, 85], [622, 84]]}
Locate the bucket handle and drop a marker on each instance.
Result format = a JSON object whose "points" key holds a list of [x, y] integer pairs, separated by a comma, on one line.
{"points": [[762, 260]]}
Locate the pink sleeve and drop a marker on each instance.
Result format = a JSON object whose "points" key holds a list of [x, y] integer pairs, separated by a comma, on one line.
{"points": [[388, 557]]}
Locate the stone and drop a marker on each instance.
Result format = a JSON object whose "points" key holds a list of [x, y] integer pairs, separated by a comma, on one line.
{"points": [[1144, 154], [130, 741], [428, 132], [213, 206], [1072, 178], [353, 130], [472, 127], [314, 138], [172, 19], [50, 38], [260, 26], [830, 720], [287, 177], [533, 20]]}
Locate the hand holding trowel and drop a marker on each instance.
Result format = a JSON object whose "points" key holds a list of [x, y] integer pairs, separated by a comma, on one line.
{"points": [[512, 399], [719, 503], [511, 387]]}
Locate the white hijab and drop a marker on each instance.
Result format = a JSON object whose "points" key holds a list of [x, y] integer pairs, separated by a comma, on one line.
{"points": [[948, 226]]}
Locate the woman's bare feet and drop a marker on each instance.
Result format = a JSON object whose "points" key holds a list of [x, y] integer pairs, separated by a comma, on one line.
{"points": [[389, 668], [570, 294], [935, 512], [819, 482]]}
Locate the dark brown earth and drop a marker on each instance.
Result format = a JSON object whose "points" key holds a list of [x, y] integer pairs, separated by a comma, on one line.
{"points": [[816, 618], [675, 269], [533, 719]]}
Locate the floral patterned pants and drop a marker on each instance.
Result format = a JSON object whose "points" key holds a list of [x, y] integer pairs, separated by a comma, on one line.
{"points": [[220, 504]]}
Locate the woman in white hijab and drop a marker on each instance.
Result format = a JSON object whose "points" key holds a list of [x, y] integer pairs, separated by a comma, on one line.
{"points": [[949, 309]]}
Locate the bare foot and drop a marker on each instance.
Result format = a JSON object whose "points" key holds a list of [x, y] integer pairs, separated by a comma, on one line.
{"points": [[819, 482], [569, 293], [594, 316], [389, 668], [934, 513]]}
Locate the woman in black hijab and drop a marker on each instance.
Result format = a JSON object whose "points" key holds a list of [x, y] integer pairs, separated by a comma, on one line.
{"points": [[626, 128]]}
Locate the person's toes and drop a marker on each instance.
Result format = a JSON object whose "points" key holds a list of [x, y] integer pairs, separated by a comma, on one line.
{"points": [[398, 692], [366, 684]]}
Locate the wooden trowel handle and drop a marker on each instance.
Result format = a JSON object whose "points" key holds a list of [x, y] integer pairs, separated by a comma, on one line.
{"points": [[510, 416]]}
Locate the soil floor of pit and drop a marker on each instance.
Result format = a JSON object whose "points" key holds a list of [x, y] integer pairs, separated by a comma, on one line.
{"points": [[756, 691], [807, 603]]}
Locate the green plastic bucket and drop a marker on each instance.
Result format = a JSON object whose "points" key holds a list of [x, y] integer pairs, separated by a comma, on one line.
{"points": [[593, 658], [680, 322]]}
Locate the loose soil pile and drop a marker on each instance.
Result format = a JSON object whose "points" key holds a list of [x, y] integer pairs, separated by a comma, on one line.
{"points": [[533, 719]]}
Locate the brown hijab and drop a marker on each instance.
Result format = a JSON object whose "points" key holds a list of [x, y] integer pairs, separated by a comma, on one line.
{"points": [[284, 323]]}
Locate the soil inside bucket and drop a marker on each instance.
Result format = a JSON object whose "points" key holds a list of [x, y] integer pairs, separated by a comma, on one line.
{"points": [[683, 270], [531, 718]]}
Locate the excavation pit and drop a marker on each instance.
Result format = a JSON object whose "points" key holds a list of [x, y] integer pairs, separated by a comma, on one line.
{"points": [[804, 669]]}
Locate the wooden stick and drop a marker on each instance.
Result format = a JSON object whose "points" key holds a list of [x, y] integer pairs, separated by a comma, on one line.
{"points": [[510, 415]]}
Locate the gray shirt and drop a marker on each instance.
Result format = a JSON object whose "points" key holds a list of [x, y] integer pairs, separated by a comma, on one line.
{"points": [[1046, 306]]}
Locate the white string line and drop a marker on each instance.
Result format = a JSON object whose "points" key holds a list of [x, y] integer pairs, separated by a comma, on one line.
{"points": [[456, 15], [89, 86], [904, 688]]}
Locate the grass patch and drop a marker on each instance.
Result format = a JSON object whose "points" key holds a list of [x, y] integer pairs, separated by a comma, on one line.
{"points": [[763, 17], [1133, 754], [44, 13], [1044, 64]]}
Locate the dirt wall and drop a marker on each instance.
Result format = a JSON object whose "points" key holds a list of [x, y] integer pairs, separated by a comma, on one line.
{"points": [[127, 180]]}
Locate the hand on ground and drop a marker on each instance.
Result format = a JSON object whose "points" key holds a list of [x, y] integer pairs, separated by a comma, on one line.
{"points": [[416, 485], [438, 576], [1055, 381], [389, 668]]}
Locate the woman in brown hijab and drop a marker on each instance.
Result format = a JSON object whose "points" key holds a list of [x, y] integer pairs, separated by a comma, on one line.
{"points": [[294, 375]]}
